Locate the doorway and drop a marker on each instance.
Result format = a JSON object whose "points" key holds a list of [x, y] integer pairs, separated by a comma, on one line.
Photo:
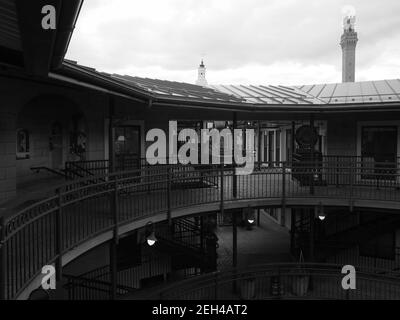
{"points": [[127, 147], [56, 146], [379, 149]]}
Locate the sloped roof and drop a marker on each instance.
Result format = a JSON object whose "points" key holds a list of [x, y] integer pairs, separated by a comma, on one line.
{"points": [[268, 94], [178, 90], [335, 93], [355, 92], [154, 89], [372, 95]]}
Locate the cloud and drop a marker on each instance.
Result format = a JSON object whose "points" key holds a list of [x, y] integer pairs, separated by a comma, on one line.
{"points": [[251, 41]]}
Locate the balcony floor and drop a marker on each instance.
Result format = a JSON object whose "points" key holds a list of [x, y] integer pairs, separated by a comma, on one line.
{"points": [[268, 243]]}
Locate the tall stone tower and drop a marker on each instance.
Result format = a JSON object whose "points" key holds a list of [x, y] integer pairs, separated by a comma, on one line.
{"points": [[201, 76], [348, 42]]}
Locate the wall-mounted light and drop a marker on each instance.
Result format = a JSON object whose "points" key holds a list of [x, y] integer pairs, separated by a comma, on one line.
{"points": [[249, 217], [151, 238], [121, 138], [320, 212]]}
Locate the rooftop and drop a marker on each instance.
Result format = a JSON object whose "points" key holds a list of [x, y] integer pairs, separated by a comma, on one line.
{"points": [[333, 93], [348, 93]]}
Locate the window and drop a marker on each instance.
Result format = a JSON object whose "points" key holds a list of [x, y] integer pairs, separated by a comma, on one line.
{"points": [[22, 144], [382, 247]]}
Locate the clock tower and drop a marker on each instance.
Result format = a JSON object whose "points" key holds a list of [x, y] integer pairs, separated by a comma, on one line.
{"points": [[348, 43]]}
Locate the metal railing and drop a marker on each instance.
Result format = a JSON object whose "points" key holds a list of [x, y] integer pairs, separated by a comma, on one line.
{"points": [[80, 288], [96, 284], [282, 281], [85, 208]]}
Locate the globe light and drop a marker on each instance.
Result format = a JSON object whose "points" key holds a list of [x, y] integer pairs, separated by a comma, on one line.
{"points": [[320, 212], [151, 239]]}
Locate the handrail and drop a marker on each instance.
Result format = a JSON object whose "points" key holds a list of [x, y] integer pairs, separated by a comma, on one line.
{"points": [[58, 173], [28, 237]]}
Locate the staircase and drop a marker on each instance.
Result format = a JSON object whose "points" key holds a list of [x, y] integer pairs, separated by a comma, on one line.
{"points": [[185, 241]]}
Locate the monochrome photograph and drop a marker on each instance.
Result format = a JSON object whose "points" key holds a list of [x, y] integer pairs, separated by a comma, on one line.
{"points": [[198, 157]]}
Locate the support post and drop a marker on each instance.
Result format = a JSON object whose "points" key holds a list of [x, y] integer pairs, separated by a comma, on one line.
{"points": [[259, 145], [234, 246], [311, 236], [258, 217], [3, 264], [114, 243], [222, 191], [234, 177], [59, 236], [292, 146], [283, 213], [169, 219], [111, 135], [292, 230], [312, 160], [113, 269], [352, 176], [201, 222], [234, 240]]}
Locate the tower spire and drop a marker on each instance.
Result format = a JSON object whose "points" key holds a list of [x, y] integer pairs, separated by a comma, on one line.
{"points": [[201, 75], [348, 43]]}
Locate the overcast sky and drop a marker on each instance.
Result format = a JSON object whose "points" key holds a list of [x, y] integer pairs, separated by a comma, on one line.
{"points": [[242, 41]]}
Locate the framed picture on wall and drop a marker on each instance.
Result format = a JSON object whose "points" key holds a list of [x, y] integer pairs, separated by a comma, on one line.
{"points": [[22, 151]]}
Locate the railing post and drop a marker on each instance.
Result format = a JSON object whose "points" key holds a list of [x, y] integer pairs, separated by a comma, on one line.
{"points": [[3, 270], [169, 196], [59, 236], [283, 213]]}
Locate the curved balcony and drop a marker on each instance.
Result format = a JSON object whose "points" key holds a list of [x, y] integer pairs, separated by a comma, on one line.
{"points": [[282, 281], [87, 212]]}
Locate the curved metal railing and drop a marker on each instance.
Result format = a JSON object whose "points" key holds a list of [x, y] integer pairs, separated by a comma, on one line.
{"points": [[282, 281], [41, 233]]}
